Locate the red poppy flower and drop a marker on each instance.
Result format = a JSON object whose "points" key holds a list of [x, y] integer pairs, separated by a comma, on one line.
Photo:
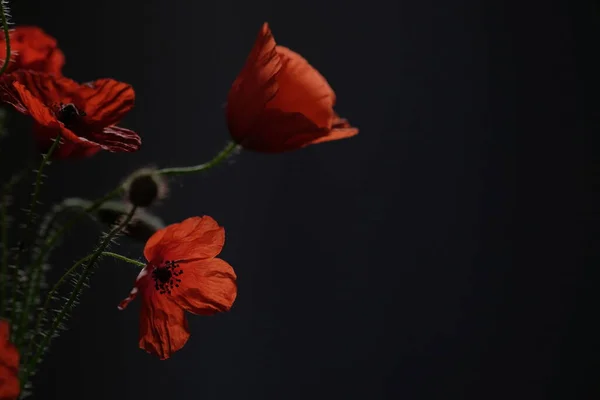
{"points": [[84, 115], [182, 274], [32, 48], [9, 366], [279, 102]]}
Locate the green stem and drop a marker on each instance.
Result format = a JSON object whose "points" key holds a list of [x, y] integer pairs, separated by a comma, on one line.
{"points": [[6, 37], [30, 219], [123, 258], [4, 243], [226, 152], [90, 259], [51, 242]]}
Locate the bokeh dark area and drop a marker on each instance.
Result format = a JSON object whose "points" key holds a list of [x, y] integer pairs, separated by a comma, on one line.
{"points": [[437, 255]]}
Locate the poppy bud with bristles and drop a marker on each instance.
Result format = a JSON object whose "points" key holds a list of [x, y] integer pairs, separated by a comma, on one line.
{"points": [[144, 187]]}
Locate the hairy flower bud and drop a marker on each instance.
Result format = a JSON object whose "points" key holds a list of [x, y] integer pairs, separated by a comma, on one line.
{"points": [[144, 187]]}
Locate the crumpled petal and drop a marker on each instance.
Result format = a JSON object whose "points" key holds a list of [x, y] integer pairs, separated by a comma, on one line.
{"points": [[163, 325], [193, 238], [207, 287], [47, 88], [43, 96], [33, 49], [9, 364], [106, 101]]}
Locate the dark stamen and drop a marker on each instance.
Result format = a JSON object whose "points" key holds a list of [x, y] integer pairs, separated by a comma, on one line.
{"points": [[166, 277], [69, 114]]}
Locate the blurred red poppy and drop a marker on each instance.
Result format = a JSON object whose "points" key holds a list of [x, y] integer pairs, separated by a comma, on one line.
{"points": [[279, 102], [84, 115], [9, 365], [32, 48], [182, 274]]}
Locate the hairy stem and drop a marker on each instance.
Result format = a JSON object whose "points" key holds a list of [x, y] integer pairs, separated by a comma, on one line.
{"points": [[51, 241], [4, 15], [30, 219], [223, 155], [4, 261], [89, 260], [123, 258]]}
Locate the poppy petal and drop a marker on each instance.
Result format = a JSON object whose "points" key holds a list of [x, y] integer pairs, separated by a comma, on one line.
{"points": [[255, 86], [207, 287], [193, 238], [117, 139], [163, 325], [33, 49], [141, 281], [49, 89], [25, 102], [9, 364], [341, 129], [303, 89], [106, 101], [10, 355], [72, 146], [9, 383]]}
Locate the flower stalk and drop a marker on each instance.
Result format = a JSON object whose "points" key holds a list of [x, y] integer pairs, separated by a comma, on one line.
{"points": [[88, 263], [227, 151]]}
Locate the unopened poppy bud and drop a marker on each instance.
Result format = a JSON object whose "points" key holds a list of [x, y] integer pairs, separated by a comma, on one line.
{"points": [[144, 187]]}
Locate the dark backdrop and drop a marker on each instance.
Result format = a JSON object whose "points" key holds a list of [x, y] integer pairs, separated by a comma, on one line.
{"points": [[437, 255]]}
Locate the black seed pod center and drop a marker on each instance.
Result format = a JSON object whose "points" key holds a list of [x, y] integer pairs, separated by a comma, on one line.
{"points": [[166, 277], [163, 274], [68, 114]]}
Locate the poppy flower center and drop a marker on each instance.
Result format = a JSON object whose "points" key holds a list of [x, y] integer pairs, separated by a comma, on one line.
{"points": [[166, 277], [68, 114]]}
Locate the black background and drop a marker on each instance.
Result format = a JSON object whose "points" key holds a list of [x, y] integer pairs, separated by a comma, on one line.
{"points": [[437, 255]]}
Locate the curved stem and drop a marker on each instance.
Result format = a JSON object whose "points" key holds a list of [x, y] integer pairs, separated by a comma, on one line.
{"points": [[123, 258], [90, 259], [51, 241], [6, 37], [4, 261], [30, 218], [223, 155]]}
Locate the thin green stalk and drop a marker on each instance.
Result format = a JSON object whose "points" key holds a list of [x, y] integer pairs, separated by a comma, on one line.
{"points": [[30, 218], [53, 239], [49, 245], [3, 12], [123, 258], [226, 152], [29, 222], [90, 259], [4, 266]]}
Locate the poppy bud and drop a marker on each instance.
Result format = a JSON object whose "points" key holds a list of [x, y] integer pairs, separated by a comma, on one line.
{"points": [[144, 187]]}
